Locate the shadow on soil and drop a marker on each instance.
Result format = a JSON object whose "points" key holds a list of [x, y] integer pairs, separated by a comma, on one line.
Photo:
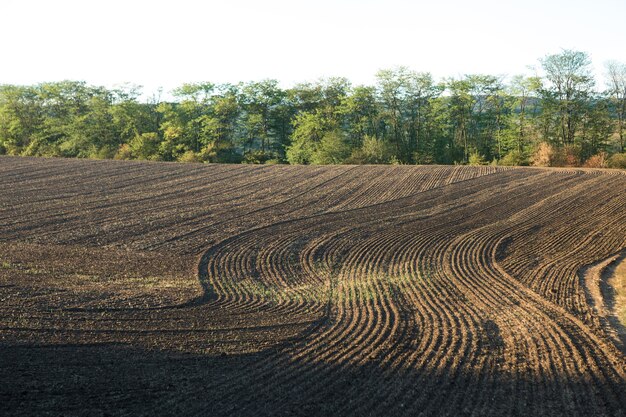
{"points": [[114, 379]]}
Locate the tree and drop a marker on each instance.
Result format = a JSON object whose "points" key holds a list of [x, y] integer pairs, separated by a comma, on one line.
{"points": [[325, 95], [332, 149], [372, 151], [405, 98], [145, 146], [460, 107], [595, 128], [391, 91], [263, 112], [206, 115], [616, 80], [360, 111], [570, 86], [421, 90], [488, 115], [94, 133], [523, 91], [225, 110], [21, 117], [406, 117], [189, 117], [309, 130]]}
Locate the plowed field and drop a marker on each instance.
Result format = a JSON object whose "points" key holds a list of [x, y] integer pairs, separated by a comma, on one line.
{"points": [[130, 288]]}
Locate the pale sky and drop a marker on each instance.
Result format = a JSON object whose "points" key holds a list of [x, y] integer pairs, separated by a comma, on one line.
{"points": [[166, 43]]}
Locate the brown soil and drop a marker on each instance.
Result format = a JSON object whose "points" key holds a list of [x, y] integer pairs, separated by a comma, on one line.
{"points": [[611, 297], [132, 288]]}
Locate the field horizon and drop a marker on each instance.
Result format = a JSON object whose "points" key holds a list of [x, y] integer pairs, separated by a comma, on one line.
{"points": [[143, 288]]}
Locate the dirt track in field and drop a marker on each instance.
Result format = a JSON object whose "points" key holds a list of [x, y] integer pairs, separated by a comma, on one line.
{"points": [[155, 288]]}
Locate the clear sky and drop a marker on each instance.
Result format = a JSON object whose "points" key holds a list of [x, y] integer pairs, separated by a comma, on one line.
{"points": [[166, 43]]}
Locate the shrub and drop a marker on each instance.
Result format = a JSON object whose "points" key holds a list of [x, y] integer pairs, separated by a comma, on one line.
{"points": [[423, 158], [543, 155], [208, 153], [124, 152], [224, 153], [189, 156], [372, 151], [514, 158], [547, 155], [257, 157], [617, 161], [332, 149], [145, 146], [568, 156], [105, 152], [300, 153], [597, 161], [375, 151], [273, 161], [394, 160], [476, 158], [41, 147]]}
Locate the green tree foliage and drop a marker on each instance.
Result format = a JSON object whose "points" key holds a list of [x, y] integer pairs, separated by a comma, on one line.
{"points": [[617, 161], [371, 151], [264, 119], [522, 122], [566, 95], [406, 110], [332, 149], [405, 117], [514, 158], [361, 115], [145, 146], [616, 80], [21, 117], [309, 130]]}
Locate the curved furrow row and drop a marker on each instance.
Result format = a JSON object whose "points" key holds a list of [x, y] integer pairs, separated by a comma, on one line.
{"points": [[431, 244], [364, 325], [467, 260], [585, 341], [573, 241]]}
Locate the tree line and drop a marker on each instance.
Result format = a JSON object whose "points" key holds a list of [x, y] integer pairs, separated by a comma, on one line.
{"points": [[559, 118]]}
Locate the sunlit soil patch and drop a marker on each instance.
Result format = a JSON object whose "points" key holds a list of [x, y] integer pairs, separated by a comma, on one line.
{"points": [[617, 282]]}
